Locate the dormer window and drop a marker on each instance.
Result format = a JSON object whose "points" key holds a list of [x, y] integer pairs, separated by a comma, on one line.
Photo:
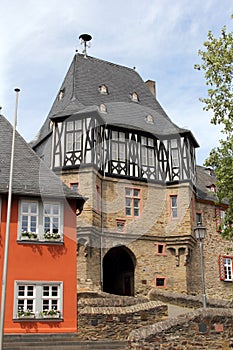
{"points": [[212, 188], [103, 89], [209, 171], [149, 119], [61, 94], [103, 108], [134, 97]]}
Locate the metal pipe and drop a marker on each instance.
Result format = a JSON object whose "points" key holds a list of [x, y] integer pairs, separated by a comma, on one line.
{"points": [[202, 275], [6, 248]]}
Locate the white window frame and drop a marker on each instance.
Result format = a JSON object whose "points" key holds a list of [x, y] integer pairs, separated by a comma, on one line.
{"points": [[37, 297], [74, 135], [39, 233], [118, 145]]}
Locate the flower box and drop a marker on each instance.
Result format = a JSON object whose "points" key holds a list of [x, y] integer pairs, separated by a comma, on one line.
{"points": [[26, 317], [51, 316], [29, 236]]}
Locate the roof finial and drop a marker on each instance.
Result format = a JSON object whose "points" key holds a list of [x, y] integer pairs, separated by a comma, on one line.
{"points": [[84, 38]]}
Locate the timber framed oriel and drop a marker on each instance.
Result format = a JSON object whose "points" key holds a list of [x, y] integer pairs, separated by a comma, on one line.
{"points": [[122, 152]]}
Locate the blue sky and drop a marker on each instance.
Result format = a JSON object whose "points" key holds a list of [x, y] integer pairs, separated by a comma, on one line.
{"points": [[160, 38]]}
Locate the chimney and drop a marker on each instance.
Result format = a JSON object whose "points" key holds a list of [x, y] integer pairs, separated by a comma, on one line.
{"points": [[151, 86]]}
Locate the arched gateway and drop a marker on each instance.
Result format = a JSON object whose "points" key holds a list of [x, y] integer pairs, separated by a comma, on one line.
{"points": [[118, 271]]}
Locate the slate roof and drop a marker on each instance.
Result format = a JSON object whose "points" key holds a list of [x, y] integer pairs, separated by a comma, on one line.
{"points": [[81, 94], [205, 179], [31, 177]]}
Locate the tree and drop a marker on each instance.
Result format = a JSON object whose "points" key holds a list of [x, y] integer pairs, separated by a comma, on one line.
{"points": [[217, 65]]}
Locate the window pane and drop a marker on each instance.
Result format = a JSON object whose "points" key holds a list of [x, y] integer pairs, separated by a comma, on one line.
{"points": [[33, 208], [128, 191], [114, 135], [55, 209], [70, 126], [78, 124], [174, 201], [128, 211], [45, 290], [136, 193], [54, 291], [25, 207]]}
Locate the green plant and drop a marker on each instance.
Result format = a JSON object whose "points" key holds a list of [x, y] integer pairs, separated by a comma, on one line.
{"points": [[25, 313], [48, 235], [52, 313], [30, 235]]}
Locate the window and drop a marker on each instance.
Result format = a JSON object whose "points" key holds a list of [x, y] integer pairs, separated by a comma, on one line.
{"points": [[40, 220], [160, 249], [147, 151], [61, 94], [220, 217], [38, 299], [73, 135], [118, 146], [225, 268], [132, 202], [98, 198], [103, 108], [120, 225], [29, 216], [51, 217], [160, 282], [149, 119], [134, 97], [174, 207], [174, 154], [103, 89], [198, 219], [74, 186]]}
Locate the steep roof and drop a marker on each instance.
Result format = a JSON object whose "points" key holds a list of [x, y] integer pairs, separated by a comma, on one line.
{"points": [[80, 93], [31, 177], [206, 183]]}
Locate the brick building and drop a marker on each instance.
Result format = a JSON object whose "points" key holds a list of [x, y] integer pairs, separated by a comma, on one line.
{"points": [[107, 136]]}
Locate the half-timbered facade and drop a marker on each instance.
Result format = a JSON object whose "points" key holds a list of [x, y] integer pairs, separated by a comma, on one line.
{"points": [[108, 137]]}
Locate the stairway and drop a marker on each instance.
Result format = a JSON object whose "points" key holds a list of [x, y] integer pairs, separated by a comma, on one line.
{"points": [[57, 342]]}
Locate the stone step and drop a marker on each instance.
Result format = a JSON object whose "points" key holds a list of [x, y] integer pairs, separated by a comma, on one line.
{"points": [[61, 343]]}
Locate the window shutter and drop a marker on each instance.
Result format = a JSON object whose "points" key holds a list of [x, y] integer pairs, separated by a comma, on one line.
{"points": [[221, 268]]}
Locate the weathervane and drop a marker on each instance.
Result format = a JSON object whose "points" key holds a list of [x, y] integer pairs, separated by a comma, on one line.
{"points": [[84, 38]]}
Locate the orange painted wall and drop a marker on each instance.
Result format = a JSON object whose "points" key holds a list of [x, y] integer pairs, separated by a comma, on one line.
{"points": [[41, 262]]}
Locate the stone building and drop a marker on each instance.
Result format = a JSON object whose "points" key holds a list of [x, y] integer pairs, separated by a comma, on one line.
{"points": [[107, 137]]}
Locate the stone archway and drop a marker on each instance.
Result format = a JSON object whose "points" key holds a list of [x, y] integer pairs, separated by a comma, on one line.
{"points": [[118, 271]]}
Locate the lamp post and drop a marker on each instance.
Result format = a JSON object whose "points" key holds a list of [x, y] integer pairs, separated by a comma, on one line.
{"points": [[200, 232]]}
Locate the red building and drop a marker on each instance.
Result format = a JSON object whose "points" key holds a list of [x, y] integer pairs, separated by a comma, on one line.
{"points": [[41, 290]]}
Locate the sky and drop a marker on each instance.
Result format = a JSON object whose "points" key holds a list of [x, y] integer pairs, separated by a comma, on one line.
{"points": [[161, 38]]}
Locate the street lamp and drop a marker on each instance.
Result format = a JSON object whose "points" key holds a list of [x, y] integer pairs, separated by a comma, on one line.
{"points": [[200, 232]]}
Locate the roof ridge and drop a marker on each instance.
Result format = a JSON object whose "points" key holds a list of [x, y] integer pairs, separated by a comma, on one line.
{"points": [[105, 61]]}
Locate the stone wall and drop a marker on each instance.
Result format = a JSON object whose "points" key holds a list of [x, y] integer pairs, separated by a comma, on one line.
{"points": [[114, 318], [213, 246], [190, 301], [201, 329], [179, 265]]}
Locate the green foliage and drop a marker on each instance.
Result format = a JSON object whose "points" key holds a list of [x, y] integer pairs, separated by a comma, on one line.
{"points": [[217, 65]]}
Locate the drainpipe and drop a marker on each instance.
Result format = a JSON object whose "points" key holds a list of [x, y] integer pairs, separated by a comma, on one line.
{"points": [[102, 215]]}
